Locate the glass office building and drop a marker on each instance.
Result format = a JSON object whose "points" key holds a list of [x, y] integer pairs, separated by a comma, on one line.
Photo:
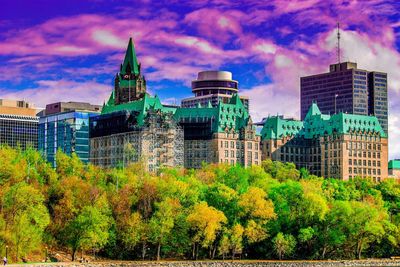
{"points": [[18, 124], [18, 130], [68, 131], [347, 89]]}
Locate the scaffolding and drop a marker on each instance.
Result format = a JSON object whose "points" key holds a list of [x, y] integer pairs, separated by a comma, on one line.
{"points": [[159, 142]]}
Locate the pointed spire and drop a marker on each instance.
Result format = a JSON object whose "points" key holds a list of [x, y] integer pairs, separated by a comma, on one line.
{"points": [[198, 105], [130, 64], [209, 104]]}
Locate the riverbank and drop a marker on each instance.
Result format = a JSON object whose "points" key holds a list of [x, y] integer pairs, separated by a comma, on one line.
{"points": [[350, 263]]}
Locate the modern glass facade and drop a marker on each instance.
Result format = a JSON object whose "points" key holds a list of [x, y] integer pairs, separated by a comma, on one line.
{"points": [[378, 97], [66, 131], [18, 130], [346, 89]]}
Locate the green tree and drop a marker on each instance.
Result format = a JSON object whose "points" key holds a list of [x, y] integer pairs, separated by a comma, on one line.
{"points": [[284, 245], [162, 222], [89, 230], [25, 218]]}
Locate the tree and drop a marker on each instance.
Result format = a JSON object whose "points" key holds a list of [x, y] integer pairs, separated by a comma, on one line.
{"points": [[132, 229], [25, 218], [162, 222], [283, 244], [206, 223], [236, 239], [89, 230]]}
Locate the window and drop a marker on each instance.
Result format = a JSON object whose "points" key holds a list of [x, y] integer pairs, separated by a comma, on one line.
{"points": [[249, 145], [232, 153], [226, 153], [232, 144]]}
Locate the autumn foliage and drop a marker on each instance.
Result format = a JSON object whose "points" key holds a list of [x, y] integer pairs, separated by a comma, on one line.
{"points": [[217, 212]]}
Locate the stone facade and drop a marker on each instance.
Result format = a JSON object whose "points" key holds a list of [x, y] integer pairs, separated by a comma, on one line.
{"points": [[158, 143], [342, 146]]}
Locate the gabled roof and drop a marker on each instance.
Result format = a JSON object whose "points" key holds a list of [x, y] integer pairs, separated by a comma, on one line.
{"points": [[276, 127], [130, 60], [231, 116], [316, 124], [142, 106]]}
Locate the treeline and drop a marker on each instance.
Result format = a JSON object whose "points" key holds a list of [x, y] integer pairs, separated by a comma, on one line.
{"points": [[219, 211]]}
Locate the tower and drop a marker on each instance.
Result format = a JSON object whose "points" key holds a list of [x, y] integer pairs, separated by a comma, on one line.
{"points": [[130, 84]]}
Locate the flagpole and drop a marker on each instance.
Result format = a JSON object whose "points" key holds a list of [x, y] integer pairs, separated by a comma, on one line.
{"points": [[336, 95]]}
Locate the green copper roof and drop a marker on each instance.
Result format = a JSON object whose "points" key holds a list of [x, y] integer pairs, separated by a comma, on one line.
{"points": [[394, 164], [142, 106], [276, 127], [316, 124], [130, 64], [231, 116]]}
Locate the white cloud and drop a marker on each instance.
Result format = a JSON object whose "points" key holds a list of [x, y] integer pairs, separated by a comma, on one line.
{"points": [[50, 91], [270, 99], [107, 38]]}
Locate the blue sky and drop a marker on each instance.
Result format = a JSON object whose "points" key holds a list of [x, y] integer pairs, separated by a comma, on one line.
{"points": [[70, 50]]}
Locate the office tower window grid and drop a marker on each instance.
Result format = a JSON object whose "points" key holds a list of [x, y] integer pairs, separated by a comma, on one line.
{"points": [[18, 131]]}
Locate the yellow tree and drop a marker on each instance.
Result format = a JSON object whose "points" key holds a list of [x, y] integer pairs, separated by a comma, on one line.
{"points": [[256, 211], [206, 222]]}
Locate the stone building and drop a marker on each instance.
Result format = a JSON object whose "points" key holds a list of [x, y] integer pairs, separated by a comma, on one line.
{"points": [[135, 126], [221, 134], [140, 130], [340, 146], [394, 168]]}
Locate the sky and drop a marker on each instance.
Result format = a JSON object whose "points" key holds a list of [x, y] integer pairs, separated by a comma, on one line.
{"points": [[71, 50]]}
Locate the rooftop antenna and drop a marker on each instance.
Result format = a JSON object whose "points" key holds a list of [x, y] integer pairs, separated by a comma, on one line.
{"points": [[338, 43]]}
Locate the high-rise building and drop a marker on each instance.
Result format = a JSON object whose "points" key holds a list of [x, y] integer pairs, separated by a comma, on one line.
{"points": [[345, 88], [18, 124], [213, 87], [65, 126], [342, 146]]}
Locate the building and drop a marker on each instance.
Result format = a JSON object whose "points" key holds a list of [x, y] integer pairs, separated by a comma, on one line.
{"points": [[18, 124], [213, 87], [221, 134], [394, 168], [65, 127], [340, 146], [61, 107], [139, 130], [135, 126], [129, 83], [345, 88]]}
